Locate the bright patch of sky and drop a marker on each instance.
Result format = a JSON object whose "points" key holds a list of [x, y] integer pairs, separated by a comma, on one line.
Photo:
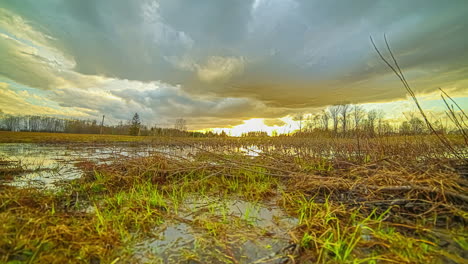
{"points": [[264, 61]]}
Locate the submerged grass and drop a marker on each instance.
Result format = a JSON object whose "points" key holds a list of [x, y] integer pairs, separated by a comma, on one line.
{"points": [[384, 201]]}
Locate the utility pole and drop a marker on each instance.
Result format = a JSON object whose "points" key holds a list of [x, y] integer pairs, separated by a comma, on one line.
{"points": [[102, 124], [300, 124]]}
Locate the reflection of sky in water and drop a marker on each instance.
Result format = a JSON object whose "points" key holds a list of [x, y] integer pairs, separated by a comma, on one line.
{"points": [[177, 239], [47, 164], [253, 151]]}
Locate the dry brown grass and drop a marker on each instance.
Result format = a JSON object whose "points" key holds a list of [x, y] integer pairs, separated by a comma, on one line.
{"points": [[355, 203]]}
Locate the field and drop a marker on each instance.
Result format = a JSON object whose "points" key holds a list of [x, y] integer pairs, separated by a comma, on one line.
{"points": [[38, 137], [234, 200]]}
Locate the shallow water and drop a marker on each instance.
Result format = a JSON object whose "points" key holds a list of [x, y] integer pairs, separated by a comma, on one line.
{"points": [[251, 232], [44, 165]]}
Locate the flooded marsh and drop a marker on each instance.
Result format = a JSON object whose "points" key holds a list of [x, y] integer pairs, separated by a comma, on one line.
{"points": [[281, 201]]}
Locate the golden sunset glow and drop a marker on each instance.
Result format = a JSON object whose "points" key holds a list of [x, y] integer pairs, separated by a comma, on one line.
{"points": [[233, 131], [262, 62], [257, 124]]}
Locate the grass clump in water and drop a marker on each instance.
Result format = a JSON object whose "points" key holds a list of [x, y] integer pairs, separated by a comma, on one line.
{"points": [[390, 201]]}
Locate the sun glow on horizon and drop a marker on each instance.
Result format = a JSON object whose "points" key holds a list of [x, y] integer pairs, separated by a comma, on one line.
{"points": [[393, 112], [258, 124]]}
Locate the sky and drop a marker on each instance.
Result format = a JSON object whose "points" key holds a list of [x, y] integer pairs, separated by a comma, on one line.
{"points": [[241, 64]]}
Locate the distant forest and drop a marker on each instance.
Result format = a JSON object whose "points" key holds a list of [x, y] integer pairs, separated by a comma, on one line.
{"points": [[336, 120], [36, 123]]}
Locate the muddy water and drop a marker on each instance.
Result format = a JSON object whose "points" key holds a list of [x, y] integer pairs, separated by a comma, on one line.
{"points": [[43, 166], [203, 229], [47, 164], [246, 233]]}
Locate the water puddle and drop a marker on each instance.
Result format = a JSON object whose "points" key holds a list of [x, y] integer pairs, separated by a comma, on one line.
{"points": [[252, 151], [208, 230], [42, 166]]}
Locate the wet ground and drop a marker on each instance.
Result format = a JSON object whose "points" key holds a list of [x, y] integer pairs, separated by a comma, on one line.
{"points": [[200, 229], [214, 230], [44, 165]]}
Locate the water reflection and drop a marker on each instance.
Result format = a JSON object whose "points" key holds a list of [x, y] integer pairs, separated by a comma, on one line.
{"points": [[250, 232], [43, 166]]}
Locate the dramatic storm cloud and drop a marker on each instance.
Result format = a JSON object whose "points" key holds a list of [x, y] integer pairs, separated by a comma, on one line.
{"points": [[219, 62]]}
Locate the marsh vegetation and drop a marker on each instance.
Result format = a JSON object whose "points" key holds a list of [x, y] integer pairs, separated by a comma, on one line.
{"points": [[235, 200], [262, 131]]}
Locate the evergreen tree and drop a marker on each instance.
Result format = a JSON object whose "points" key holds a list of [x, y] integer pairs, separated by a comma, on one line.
{"points": [[135, 125]]}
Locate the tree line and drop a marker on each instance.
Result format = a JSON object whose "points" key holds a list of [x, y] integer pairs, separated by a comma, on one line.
{"points": [[36, 123], [337, 120], [348, 119]]}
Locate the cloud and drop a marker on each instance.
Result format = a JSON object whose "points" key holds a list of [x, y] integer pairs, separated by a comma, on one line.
{"points": [[12, 102], [30, 57], [226, 61], [161, 103], [21, 59], [274, 122], [220, 69]]}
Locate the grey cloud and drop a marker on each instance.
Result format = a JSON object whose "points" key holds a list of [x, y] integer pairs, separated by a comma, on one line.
{"points": [[274, 122], [18, 65], [295, 54], [214, 25], [162, 103], [167, 101]]}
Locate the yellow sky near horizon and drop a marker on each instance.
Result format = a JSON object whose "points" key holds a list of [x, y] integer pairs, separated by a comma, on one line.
{"points": [[394, 113], [254, 68]]}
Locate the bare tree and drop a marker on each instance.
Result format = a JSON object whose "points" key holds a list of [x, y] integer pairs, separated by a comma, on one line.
{"points": [[344, 110], [180, 124], [417, 125], [405, 128], [315, 121], [300, 119], [358, 115], [380, 121], [371, 117], [325, 117], [334, 111]]}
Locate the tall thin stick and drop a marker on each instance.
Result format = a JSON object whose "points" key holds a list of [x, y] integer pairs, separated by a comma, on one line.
{"points": [[399, 73]]}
